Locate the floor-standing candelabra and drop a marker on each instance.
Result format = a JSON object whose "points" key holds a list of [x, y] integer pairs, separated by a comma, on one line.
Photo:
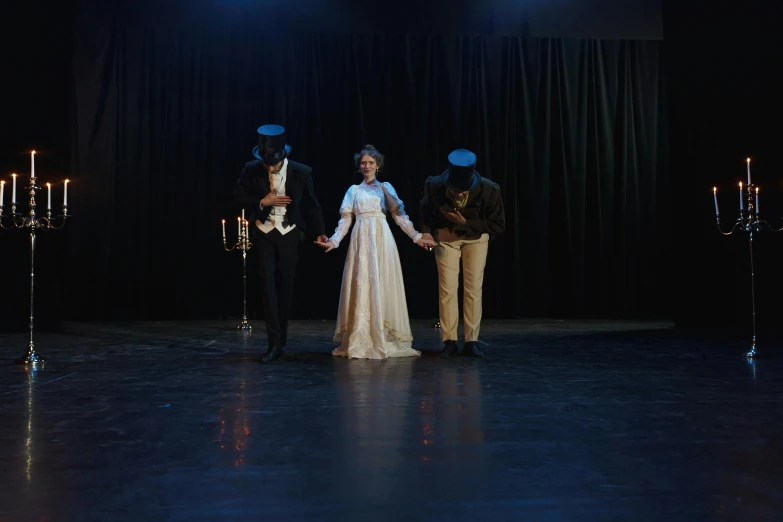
{"points": [[748, 222], [243, 244], [33, 222]]}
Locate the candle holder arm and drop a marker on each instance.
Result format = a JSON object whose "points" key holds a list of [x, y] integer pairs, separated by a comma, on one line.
{"points": [[50, 222], [737, 224], [15, 219], [770, 227]]}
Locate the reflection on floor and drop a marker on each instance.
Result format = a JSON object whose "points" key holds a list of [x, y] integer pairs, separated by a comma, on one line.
{"points": [[562, 421]]}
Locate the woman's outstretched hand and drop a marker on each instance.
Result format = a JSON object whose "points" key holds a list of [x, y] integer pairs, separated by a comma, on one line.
{"points": [[426, 241], [324, 243]]}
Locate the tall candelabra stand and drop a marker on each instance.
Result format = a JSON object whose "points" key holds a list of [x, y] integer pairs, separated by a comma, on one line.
{"points": [[33, 222], [243, 244], [749, 223]]}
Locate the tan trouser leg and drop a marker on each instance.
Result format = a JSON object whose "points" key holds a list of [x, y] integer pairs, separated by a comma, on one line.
{"points": [[474, 259], [447, 257]]}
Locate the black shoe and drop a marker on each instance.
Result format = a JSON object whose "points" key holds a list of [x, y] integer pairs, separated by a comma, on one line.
{"points": [[450, 349], [472, 349], [272, 354]]}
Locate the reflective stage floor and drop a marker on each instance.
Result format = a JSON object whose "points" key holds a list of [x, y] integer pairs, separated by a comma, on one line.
{"points": [[584, 421]]}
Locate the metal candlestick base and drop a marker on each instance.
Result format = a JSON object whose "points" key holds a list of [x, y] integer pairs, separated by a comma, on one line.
{"points": [[244, 325], [752, 352], [30, 358], [243, 244]]}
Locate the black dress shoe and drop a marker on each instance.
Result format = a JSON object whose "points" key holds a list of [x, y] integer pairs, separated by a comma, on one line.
{"points": [[450, 349], [272, 354], [472, 350]]}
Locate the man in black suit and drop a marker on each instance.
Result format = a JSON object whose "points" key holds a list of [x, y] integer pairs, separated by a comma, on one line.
{"points": [[464, 212], [279, 198]]}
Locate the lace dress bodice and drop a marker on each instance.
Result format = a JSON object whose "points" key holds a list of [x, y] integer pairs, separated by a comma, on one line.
{"points": [[368, 201]]}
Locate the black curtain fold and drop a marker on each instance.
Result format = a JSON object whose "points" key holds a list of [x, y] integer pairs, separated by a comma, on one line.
{"points": [[574, 132]]}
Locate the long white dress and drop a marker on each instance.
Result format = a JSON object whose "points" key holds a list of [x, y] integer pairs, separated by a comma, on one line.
{"points": [[372, 318]]}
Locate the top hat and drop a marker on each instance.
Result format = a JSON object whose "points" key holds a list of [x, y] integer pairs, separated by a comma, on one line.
{"points": [[461, 175], [271, 148]]}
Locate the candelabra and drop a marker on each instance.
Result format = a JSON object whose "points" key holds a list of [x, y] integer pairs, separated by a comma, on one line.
{"points": [[748, 222], [243, 244], [33, 222]]}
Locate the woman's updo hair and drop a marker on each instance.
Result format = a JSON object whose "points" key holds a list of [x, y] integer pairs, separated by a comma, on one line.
{"points": [[369, 150]]}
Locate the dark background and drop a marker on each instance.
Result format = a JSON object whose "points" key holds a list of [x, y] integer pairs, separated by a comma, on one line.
{"points": [[605, 127]]}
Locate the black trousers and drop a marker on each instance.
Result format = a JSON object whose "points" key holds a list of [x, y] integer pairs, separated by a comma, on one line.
{"points": [[277, 254]]}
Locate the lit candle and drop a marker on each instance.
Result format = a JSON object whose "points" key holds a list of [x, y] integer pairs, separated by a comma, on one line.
{"points": [[742, 207], [239, 226], [49, 198], [715, 197], [13, 192], [757, 200], [32, 164], [224, 230], [748, 160], [2, 193], [65, 194]]}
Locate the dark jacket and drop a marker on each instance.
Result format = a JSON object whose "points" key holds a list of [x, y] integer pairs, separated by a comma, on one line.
{"points": [[483, 211], [304, 210]]}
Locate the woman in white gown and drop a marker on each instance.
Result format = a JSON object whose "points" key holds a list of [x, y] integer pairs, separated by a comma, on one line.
{"points": [[372, 318]]}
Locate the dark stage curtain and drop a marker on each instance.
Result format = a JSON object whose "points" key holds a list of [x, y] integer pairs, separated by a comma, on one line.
{"points": [[574, 131]]}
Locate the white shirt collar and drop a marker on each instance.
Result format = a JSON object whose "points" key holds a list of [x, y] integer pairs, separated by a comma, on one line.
{"points": [[283, 169]]}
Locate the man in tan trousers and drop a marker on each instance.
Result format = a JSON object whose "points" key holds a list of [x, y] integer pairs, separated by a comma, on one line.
{"points": [[462, 212]]}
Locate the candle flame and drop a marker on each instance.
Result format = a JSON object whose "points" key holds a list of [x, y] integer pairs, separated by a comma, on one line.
{"points": [[32, 152], [224, 221], [2, 182], [757, 190], [13, 175], [67, 180], [714, 189], [239, 219], [48, 184], [748, 160]]}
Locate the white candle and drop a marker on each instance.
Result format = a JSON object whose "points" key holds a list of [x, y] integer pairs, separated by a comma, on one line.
{"points": [[748, 160], [65, 194], [742, 207], [49, 198], [2, 193], [243, 214], [239, 227], [13, 192], [757, 200], [224, 230], [32, 164], [715, 197]]}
